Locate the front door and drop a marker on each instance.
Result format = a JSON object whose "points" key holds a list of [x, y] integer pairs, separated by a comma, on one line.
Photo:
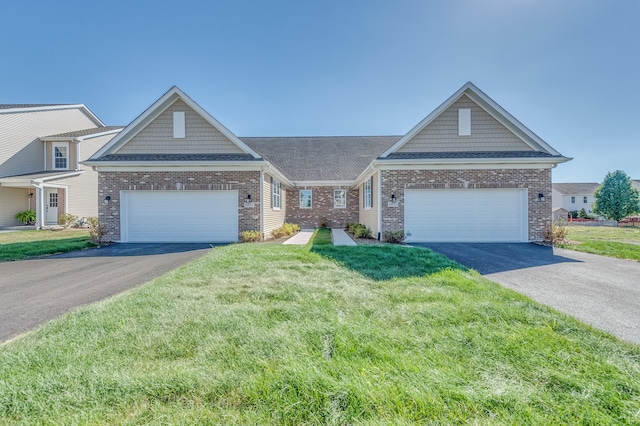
{"points": [[51, 205]]}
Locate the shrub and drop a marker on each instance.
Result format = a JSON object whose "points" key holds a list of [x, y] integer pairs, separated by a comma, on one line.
{"points": [[573, 214], [68, 220], [28, 217], [394, 237], [555, 233], [96, 232], [286, 230], [358, 230], [250, 236]]}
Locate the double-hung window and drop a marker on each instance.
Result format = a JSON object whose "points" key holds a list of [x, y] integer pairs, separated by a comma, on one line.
{"points": [[61, 156], [573, 200], [584, 200], [366, 198], [276, 194], [305, 199], [340, 199]]}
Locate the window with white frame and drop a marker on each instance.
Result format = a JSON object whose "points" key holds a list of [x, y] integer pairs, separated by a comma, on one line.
{"points": [[340, 199], [573, 200], [275, 196], [366, 198], [584, 200], [305, 198], [61, 156]]}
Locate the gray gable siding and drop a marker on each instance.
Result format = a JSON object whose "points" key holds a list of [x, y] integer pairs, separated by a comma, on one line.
{"points": [[201, 137], [487, 134]]}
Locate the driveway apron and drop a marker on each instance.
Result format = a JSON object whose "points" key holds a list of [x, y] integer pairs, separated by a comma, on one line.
{"points": [[598, 290], [35, 291]]}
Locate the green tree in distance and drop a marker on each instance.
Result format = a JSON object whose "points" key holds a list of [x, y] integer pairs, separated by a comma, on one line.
{"points": [[616, 198]]}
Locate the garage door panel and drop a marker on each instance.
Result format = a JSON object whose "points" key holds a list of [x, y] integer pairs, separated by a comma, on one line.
{"points": [[484, 215], [179, 216]]}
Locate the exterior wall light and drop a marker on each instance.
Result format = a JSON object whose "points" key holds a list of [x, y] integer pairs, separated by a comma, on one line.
{"points": [[31, 195], [541, 196], [107, 199], [248, 199], [393, 198]]}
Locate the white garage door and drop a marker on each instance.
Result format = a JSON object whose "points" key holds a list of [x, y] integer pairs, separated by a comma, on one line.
{"points": [[466, 215], [179, 216]]}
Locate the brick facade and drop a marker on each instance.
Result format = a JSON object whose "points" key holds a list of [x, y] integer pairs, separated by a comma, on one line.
{"points": [[62, 202], [322, 207], [535, 180], [111, 183]]}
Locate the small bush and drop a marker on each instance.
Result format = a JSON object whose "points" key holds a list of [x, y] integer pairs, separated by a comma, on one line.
{"points": [[358, 230], [555, 233], [28, 217], [96, 232], [286, 230], [394, 237], [68, 220], [250, 236]]}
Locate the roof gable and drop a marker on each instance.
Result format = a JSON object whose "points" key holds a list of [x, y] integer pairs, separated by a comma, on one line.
{"points": [[497, 130], [151, 132]]}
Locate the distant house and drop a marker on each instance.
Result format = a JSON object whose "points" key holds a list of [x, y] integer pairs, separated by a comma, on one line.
{"points": [[469, 171], [42, 146], [573, 196]]}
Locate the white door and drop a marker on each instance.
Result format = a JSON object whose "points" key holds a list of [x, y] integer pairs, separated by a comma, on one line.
{"points": [[51, 205], [179, 216], [466, 215]]}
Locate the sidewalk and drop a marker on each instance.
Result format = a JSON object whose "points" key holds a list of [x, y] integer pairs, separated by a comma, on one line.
{"points": [[341, 238], [301, 238]]}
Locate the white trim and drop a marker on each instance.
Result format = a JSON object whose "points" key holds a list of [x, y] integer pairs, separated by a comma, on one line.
{"points": [[157, 108], [80, 138], [345, 199], [489, 106], [176, 167], [55, 145], [62, 176], [323, 183], [300, 198], [273, 183], [470, 166]]}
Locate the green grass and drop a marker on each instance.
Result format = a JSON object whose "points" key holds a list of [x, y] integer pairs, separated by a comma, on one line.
{"points": [[24, 244], [620, 242], [273, 334], [322, 237]]}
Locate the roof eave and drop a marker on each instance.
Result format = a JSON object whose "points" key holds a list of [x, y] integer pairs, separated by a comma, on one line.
{"points": [[436, 161]]}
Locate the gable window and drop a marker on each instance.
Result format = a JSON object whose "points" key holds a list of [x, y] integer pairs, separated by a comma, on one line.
{"points": [[340, 199], [305, 198], [61, 156], [573, 200], [584, 200], [366, 196], [275, 195]]}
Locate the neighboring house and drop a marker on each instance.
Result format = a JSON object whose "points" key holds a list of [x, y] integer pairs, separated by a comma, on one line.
{"points": [[468, 172], [42, 146], [574, 196]]}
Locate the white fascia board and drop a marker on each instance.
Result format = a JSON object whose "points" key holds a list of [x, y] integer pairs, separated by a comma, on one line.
{"points": [[97, 135], [157, 108], [301, 183], [461, 165], [174, 167], [272, 171], [55, 177]]}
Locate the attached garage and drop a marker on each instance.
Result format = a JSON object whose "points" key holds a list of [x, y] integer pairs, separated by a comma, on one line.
{"points": [[466, 215], [179, 216]]}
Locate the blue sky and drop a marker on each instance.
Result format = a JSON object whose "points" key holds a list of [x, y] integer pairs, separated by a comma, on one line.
{"points": [[567, 69]]}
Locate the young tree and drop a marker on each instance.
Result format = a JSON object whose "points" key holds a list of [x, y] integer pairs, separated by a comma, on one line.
{"points": [[616, 198]]}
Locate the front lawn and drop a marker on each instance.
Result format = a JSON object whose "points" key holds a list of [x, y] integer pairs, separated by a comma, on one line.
{"points": [[620, 242], [316, 334], [24, 244]]}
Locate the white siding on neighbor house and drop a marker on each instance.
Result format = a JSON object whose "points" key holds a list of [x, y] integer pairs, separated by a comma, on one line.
{"points": [[487, 134], [272, 219], [201, 137], [579, 202], [12, 201], [369, 217], [22, 152]]}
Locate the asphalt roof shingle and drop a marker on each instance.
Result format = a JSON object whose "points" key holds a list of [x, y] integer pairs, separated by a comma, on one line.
{"points": [[18, 106], [321, 158], [467, 154], [85, 132], [576, 188], [177, 157]]}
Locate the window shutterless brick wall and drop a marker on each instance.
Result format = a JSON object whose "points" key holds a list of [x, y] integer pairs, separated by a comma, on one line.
{"points": [[111, 183], [321, 206], [535, 180]]}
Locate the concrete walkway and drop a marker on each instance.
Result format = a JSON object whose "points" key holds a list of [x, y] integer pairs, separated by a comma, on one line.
{"points": [[341, 238], [301, 238]]}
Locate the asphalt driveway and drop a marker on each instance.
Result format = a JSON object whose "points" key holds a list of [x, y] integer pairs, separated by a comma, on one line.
{"points": [[35, 291], [598, 290]]}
